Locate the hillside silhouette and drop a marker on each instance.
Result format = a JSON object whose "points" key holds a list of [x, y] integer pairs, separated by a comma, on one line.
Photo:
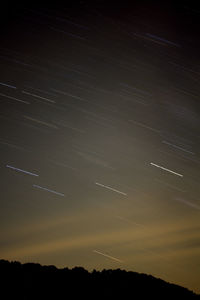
{"points": [[34, 281]]}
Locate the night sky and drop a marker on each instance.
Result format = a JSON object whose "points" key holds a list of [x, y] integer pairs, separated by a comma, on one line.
{"points": [[100, 137]]}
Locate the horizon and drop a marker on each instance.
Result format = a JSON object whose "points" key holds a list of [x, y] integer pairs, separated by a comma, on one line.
{"points": [[93, 271]]}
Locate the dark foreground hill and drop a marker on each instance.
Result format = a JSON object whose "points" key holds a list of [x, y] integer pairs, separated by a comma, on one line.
{"points": [[33, 281]]}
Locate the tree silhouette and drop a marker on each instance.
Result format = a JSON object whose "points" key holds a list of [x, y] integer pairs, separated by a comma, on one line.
{"points": [[32, 281]]}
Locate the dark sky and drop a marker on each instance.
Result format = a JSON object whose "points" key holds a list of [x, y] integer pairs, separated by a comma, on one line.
{"points": [[100, 136]]}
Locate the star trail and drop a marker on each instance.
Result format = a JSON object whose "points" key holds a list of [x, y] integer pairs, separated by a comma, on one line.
{"points": [[100, 137]]}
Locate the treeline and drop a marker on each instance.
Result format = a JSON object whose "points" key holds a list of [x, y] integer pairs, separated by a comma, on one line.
{"points": [[33, 281]]}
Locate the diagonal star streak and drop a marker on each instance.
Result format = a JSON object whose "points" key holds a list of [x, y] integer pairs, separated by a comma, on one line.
{"points": [[20, 170], [110, 188], [48, 190], [165, 169], [106, 255]]}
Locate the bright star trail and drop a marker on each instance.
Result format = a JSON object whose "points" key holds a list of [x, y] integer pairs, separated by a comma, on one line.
{"points": [[20, 170], [48, 190], [8, 85], [165, 169], [100, 136]]}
